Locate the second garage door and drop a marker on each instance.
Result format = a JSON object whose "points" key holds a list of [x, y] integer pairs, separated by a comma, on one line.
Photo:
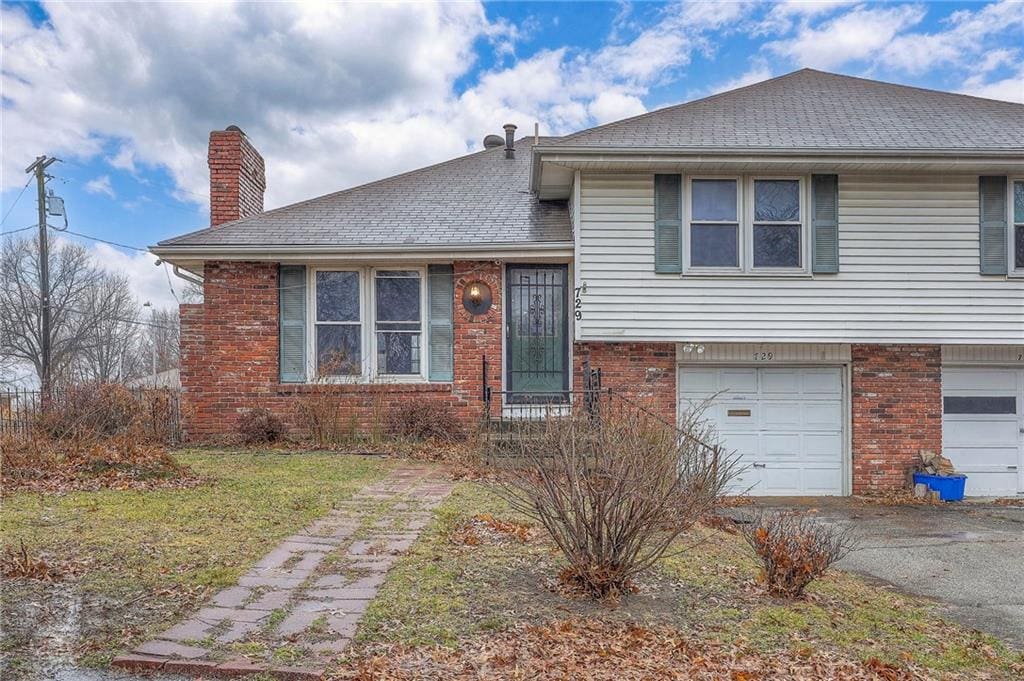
{"points": [[785, 423]]}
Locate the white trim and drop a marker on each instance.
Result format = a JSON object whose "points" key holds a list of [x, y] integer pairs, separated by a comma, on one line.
{"points": [[299, 254]]}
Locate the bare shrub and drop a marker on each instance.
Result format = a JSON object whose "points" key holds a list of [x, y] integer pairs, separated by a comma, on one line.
{"points": [[158, 414], [91, 410], [794, 549], [614, 487], [425, 420], [259, 425], [319, 412]]}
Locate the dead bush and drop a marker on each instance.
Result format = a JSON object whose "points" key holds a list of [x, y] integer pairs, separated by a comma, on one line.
{"points": [[794, 549], [319, 413], [93, 410], [614, 486], [259, 426], [425, 420]]}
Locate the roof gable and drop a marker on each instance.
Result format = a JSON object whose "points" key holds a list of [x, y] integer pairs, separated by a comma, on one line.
{"points": [[814, 110]]}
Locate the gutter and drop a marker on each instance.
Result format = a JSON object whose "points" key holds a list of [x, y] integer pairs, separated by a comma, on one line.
{"points": [[654, 155], [337, 252]]}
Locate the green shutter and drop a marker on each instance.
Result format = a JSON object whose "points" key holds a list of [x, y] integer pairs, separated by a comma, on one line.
{"points": [[293, 323], [824, 224], [992, 199], [440, 295], [668, 224]]}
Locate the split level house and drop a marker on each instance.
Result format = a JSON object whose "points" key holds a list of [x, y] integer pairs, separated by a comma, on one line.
{"points": [[839, 260]]}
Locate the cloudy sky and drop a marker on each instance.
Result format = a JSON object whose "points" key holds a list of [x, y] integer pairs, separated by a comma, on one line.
{"points": [[337, 95]]}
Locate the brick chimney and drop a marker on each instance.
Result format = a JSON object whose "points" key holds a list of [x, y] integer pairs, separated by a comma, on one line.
{"points": [[237, 176]]}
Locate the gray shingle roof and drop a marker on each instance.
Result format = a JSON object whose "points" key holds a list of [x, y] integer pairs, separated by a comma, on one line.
{"points": [[813, 110], [478, 199]]}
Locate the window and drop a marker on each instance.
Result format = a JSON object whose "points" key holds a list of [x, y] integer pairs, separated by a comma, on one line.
{"points": [[398, 323], [1017, 247], [338, 324], [979, 405], [777, 224], [745, 224], [714, 223]]}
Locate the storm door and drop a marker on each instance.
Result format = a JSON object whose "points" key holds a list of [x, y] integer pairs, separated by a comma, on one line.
{"points": [[537, 334]]}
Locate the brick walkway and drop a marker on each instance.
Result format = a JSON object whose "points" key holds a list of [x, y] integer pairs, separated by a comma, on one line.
{"points": [[308, 594]]}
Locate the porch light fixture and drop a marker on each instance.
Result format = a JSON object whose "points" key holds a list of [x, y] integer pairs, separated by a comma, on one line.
{"points": [[694, 347], [476, 297]]}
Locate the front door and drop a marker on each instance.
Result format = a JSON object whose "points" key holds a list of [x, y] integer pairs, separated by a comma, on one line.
{"points": [[537, 334]]}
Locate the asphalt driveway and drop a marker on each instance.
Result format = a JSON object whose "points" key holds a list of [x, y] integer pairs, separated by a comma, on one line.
{"points": [[969, 556]]}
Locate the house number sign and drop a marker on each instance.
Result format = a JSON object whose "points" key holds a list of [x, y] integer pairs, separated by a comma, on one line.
{"points": [[578, 302]]}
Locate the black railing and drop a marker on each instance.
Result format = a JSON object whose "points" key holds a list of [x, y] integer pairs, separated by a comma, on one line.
{"points": [[501, 408], [159, 409]]}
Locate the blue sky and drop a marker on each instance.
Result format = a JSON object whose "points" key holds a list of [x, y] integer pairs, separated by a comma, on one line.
{"points": [[337, 95]]}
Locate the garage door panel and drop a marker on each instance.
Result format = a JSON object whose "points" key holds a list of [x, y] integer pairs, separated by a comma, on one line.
{"points": [[776, 415], [780, 382], [823, 415], [981, 432], [967, 381], [828, 382], [784, 423], [738, 381], [781, 446], [700, 382]]}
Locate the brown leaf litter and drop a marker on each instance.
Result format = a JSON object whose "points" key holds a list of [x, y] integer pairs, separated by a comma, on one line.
{"points": [[592, 650]]}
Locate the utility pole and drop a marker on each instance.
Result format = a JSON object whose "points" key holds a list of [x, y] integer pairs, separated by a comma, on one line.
{"points": [[39, 168]]}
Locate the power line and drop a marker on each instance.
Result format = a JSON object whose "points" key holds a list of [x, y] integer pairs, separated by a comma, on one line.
{"points": [[105, 241], [8, 213]]}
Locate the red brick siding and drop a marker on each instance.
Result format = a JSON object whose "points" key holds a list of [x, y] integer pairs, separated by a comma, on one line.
{"points": [[477, 336], [230, 355], [237, 177], [644, 372], [897, 412]]}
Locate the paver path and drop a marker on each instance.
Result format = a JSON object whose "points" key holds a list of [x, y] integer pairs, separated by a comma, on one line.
{"points": [[308, 594]]}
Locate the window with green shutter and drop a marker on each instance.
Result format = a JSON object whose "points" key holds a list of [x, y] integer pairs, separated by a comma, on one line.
{"points": [[292, 313], [668, 224], [440, 331]]}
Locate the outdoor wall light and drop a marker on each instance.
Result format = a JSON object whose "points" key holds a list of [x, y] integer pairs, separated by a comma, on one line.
{"points": [[476, 297]]}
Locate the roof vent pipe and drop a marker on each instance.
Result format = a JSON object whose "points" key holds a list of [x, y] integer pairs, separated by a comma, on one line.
{"points": [[510, 140]]}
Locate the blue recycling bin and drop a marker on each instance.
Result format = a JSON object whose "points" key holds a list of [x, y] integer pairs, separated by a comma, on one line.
{"points": [[949, 487]]}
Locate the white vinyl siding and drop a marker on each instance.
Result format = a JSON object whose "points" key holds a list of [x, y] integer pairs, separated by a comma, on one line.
{"points": [[908, 248]]}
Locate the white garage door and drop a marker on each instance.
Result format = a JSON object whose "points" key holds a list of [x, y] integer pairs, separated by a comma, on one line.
{"points": [[786, 423], [983, 427]]}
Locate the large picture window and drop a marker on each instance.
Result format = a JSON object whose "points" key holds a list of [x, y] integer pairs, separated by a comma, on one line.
{"points": [[338, 324], [745, 224], [398, 323]]}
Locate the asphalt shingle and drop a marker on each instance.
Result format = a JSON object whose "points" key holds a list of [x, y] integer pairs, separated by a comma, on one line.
{"points": [[813, 110], [482, 198]]}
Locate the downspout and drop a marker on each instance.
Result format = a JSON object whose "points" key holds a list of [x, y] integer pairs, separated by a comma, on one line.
{"points": [[187, 277]]}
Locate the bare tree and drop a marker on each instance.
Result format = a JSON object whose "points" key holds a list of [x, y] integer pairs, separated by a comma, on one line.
{"points": [[85, 302], [161, 339], [110, 350]]}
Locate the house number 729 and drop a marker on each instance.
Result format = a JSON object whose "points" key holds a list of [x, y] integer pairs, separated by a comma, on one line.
{"points": [[578, 304], [764, 356]]}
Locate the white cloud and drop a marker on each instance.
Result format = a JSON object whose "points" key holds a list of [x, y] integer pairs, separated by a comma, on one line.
{"points": [[856, 35], [613, 106], [149, 282], [757, 72], [1010, 89], [331, 94], [100, 185]]}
